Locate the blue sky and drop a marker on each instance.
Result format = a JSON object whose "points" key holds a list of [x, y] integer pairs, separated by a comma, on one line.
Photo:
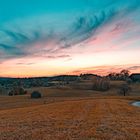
{"points": [[66, 31]]}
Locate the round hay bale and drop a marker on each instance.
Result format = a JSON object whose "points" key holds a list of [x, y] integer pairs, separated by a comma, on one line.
{"points": [[35, 95]]}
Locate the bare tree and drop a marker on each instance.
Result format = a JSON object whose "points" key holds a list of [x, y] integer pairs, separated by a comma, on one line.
{"points": [[125, 74], [124, 89], [101, 84]]}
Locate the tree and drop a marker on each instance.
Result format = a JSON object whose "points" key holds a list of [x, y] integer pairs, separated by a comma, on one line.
{"points": [[125, 74], [112, 76], [124, 89], [101, 84]]}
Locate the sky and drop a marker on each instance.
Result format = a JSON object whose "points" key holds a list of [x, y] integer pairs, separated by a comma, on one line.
{"points": [[52, 37]]}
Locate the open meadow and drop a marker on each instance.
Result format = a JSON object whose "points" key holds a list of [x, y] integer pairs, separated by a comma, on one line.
{"points": [[69, 69], [71, 114]]}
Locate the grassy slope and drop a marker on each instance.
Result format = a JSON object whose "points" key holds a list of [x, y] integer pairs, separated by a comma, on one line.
{"points": [[64, 114], [108, 118]]}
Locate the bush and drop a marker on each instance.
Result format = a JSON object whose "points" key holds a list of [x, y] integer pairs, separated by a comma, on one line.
{"points": [[22, 91], [124, 89], [35, 94], [17, 91], [11, 93], [101, 84]]}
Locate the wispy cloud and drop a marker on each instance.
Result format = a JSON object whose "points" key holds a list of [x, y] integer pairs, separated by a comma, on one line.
{"points": [[102, 28], [25, 63], [106, 69], [83, 27], [134, 68]]}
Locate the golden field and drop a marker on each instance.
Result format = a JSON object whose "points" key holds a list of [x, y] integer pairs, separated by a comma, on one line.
{"points": [[71, 114]]}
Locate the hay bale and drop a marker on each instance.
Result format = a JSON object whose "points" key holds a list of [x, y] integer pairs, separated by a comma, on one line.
{"points": [[35, 95]]}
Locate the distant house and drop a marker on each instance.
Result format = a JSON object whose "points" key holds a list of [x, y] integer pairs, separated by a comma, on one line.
{"points": [[135, 77]]}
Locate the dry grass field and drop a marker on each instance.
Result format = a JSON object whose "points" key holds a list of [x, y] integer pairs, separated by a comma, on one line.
{"points": [[70, 114]]}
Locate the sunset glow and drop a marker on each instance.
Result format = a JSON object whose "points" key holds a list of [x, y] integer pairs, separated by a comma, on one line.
{"points": [[69, 37]]}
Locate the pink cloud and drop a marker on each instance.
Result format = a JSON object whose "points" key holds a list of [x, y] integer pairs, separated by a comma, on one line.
{"points": [[104, 70]]}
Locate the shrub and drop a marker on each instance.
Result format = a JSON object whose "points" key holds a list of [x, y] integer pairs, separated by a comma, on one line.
{"points": [[35, 94], [22, 91], [25, 91], [17, 91], [101, 84], [11, 93]]}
